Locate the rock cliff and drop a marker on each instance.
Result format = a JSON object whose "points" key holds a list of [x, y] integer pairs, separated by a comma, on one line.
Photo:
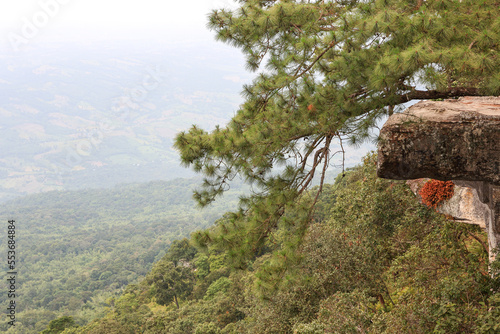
{"points": [[450, 140]]}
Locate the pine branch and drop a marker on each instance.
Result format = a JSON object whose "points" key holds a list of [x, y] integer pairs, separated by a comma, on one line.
{"points": [[434, 94], [329, 47], [485, 246]]}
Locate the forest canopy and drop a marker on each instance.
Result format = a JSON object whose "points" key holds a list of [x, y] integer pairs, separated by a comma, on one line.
{"points": [[374, 261], [326, 73]]}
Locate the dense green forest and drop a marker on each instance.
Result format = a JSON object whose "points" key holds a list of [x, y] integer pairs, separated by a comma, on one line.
{"points": [[361, 255], [374, 260], [78, 249]]}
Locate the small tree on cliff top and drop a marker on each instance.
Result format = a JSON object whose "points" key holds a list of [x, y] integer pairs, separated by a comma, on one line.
{"points": [[328, 71]]}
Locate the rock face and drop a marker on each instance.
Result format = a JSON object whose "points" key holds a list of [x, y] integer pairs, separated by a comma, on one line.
{"points": [[465, 205], [474, 203], [450, 140]]}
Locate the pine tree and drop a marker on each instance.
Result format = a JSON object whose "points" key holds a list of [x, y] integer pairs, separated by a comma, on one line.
{"points": [[327, 71]]}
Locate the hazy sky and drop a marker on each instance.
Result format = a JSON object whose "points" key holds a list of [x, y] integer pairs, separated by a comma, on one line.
{"points": [[39, 20]]}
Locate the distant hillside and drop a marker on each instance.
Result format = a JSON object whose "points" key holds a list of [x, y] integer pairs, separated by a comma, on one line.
{"points": [[79, 248], [94, 116], [102, 114]]}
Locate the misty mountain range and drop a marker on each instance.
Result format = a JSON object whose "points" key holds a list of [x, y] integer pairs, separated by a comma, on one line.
{"points": [[96, 115]]}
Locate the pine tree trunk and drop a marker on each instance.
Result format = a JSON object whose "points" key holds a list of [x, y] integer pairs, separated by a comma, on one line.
{"points": [[176, 302], [381, 300]]}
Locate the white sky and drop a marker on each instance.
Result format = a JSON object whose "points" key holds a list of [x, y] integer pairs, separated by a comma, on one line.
{"points": [[101, 18]]}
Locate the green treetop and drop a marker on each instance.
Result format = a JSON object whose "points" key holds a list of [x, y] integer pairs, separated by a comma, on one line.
{"points": [[327, 72]]}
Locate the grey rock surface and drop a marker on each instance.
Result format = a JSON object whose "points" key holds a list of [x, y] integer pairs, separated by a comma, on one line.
{"points": [[450, 140]]}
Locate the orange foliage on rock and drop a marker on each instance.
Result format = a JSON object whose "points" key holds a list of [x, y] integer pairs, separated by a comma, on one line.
{"points": [[434, 192]]}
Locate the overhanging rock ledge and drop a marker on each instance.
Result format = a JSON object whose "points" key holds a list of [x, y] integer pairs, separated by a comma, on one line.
{"points": [[449, 140]]}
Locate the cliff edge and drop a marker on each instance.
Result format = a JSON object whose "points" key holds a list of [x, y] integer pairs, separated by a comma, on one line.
{"points": [[455, 140]]}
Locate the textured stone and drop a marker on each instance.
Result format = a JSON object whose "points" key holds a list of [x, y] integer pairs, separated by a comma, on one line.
{"points": [[450, 140], [465, 205]]}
